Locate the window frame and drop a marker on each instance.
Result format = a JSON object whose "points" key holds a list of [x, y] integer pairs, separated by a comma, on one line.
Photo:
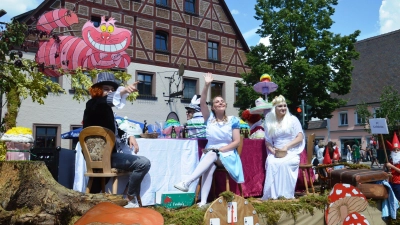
{"points": [[235, 94], [72, 140], [340, 118], [222, 89], [193, 2], [188, 99], [212, 48], [361, 122], [167, 5], [167, 44], [57, 136], [151, 96]]}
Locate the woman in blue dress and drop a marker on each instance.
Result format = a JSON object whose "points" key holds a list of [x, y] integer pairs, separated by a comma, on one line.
{"points": [[223, 137]]}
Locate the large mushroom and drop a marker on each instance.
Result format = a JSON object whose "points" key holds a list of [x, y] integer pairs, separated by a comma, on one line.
{"points": [[355, 219], [343, 200]]}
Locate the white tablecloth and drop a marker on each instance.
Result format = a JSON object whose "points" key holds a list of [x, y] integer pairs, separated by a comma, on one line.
{"points": [[171, 161]]}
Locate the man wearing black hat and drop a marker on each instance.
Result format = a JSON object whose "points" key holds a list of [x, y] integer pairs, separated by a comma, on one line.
{"points": [[106, 93]]}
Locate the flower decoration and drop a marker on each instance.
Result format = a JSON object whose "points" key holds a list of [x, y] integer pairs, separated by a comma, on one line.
{"points": [[18, 134]]}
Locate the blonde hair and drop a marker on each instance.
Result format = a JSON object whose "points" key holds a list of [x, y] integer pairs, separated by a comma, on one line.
{"points": [[271, 121], [278, 100]]}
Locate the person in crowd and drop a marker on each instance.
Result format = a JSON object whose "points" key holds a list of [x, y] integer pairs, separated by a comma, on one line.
{"points": [[394, 166], [283, 131], [254, 121], [195, 119], [223, 138], [105, 94], [335, 147], [356, 153], [320, 151], [373, 155], [316, 147], [331, 154], [349, 153]]}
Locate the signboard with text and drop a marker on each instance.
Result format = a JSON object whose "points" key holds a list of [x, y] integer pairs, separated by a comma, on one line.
{"points": [[378, 126]]}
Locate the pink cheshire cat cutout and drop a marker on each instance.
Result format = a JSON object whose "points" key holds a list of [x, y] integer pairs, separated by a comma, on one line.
{"points": [[102, 47]]}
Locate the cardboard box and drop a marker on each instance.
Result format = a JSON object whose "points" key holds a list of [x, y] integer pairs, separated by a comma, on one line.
{"points": [[173, 200]]}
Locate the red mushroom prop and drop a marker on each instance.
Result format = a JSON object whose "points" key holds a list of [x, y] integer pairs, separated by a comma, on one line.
{"points": [[343, 200], [355, 218]]}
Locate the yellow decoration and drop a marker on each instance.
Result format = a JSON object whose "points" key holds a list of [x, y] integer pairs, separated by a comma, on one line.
{"points": [[265, 77], [19, 130]]}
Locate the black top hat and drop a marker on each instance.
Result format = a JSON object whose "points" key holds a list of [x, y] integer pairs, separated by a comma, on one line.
{"points": [[107, 78]]}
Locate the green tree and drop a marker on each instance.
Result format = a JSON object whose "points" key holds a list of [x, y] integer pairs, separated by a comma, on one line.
{"points": [[305, 59]]}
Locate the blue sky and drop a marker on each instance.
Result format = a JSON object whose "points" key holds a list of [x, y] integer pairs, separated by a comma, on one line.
{"points": [[372, 17]]}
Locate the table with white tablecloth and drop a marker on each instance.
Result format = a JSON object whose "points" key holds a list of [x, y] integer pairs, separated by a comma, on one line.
{"points": [[172, 160]]}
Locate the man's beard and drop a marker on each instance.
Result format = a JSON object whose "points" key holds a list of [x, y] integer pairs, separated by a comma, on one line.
{"points": [[395, 157]]}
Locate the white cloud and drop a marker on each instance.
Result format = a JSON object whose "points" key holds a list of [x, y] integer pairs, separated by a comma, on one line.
{"points": [[16, 7], [264, 40], [234, 11], [389, 16], [250, 33]]}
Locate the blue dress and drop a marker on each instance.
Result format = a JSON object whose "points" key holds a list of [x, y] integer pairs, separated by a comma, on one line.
{"points": [[220, 134]]}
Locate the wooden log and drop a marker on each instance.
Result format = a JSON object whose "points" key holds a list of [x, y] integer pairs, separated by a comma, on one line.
{"points": [[29, 193]]}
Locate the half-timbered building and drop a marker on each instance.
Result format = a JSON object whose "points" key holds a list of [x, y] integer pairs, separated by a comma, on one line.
{"points": [[201, 35]]}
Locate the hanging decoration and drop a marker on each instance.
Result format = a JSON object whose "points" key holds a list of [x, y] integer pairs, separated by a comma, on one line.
{"points": [[100, 47]]}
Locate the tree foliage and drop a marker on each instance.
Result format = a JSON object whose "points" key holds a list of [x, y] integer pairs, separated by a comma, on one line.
{"points": [[389, 109], [305, 59]]}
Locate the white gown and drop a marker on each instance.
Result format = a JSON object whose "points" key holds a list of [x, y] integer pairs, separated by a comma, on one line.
{"points": [[281, 173]]}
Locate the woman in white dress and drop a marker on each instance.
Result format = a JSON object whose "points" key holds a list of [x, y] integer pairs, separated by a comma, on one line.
{"points": [[283, 131], [223, 137]]}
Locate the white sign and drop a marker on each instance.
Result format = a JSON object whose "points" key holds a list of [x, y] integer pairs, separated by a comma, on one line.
{"points": [[378, 126]]}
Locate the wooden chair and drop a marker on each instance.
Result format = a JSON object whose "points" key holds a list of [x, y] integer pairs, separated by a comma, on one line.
{"points": [[97, 145], [222, 169], [308, 165]]}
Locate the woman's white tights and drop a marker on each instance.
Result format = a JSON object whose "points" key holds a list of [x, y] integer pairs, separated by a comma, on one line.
{"points": [[205, 168]]}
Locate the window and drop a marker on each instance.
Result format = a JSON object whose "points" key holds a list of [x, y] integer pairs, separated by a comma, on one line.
{"points": [[343, 119], [46, 136], [189, 6], [377, 112], [95, 20], [216, 89], [359, 119], [145, 86], [236, 94], [161, 41], [54, 79], [190, 88], [162, 2], [213, 51], [74, 141]]}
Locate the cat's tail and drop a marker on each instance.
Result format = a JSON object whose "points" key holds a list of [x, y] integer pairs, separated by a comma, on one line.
{"points": [[56, 18]]}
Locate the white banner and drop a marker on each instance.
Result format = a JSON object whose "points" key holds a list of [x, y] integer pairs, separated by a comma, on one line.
{"points": [[378, 126]]}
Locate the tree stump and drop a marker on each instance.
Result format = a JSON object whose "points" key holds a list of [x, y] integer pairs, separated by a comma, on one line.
{"points": [[30, 195]]}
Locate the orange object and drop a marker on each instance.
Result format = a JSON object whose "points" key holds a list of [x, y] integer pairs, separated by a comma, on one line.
{"points": [[299, 110], [106, 212]]}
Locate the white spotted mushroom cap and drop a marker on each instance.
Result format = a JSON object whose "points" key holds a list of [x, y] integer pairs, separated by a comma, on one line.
{"points": [[344, 190], [355, 219], [343, 200]]}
